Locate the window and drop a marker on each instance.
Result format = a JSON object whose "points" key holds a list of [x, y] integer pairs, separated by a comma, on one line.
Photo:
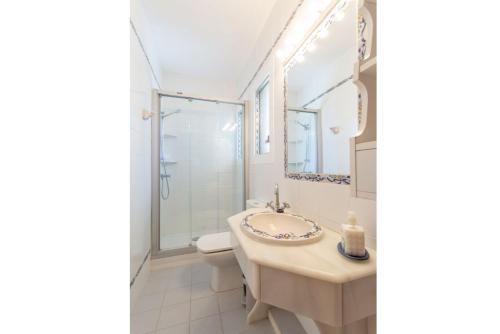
{"points": [[262, 119]]}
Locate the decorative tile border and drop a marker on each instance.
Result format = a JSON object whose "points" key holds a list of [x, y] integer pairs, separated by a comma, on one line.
{"points": [[337, 179], [360, 110], [315, 231], [361, 37]]}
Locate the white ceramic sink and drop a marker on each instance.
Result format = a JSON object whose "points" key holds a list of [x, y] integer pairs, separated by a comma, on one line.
{"points": [[284, 228]]}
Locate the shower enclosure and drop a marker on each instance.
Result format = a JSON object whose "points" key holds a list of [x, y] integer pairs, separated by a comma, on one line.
{"points": [[198, 169]]}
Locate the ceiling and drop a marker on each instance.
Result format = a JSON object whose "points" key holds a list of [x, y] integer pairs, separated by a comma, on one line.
{"points": [[212, 39]]}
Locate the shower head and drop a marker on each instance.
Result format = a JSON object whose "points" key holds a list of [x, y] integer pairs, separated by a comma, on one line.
{"points": [[166, 114], [305, 126]]}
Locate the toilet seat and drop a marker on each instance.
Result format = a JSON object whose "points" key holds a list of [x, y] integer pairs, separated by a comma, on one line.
{"points": [[214, 243]]}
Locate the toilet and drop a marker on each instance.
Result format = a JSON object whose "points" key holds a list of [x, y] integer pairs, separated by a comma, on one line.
{"points": [[215, 249]]}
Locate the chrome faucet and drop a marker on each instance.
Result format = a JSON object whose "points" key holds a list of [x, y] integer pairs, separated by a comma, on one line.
{"points": [[276, 207]]}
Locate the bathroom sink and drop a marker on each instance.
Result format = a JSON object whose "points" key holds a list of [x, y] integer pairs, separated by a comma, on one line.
{"points": [[283, 228]]}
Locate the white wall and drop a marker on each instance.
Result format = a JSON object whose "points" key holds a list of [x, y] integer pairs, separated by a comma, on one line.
{"points": [[197, 86], [141, 85], [325, 202]]}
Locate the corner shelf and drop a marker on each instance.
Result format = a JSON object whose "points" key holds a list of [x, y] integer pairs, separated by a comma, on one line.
{"points": [[169, 162], [363, 146], [369, 67]]}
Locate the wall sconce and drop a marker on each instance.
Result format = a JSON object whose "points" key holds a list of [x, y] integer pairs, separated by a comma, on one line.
{"points": [[321, 31], [146, 114], [335, 130]]}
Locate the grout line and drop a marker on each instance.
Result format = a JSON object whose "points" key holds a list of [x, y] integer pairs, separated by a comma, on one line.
{"points": [[190, 307], [158, 319], [220, 313]]}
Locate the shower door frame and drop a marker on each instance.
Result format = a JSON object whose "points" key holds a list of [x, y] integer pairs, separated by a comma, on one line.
{"points": [[156, 251]]}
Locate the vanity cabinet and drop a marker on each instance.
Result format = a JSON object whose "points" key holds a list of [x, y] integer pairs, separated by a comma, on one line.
{"points": [[312, 280]]}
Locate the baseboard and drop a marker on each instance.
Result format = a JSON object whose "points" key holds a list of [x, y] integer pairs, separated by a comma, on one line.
{"points": [[140, 282], [174, 261]]}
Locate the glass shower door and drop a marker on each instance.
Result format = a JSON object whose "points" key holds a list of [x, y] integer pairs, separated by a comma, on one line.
{"points": [[201, 168]]}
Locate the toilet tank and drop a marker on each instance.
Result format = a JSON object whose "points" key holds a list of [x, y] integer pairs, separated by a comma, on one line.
{"points": [[255, 203]]}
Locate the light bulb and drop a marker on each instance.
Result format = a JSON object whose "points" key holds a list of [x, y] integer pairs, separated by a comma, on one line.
{"points": [[280, 54], [323, 4], [339, 16], [299, 28], [291, 40], [312, 17], [311, 47]]}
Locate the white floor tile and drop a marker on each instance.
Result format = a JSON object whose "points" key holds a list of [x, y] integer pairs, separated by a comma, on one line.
{"points": [[177, 329], [201, 290], [179, 279], [230, 300], [260, 327], [201, 276], [234, 321], [200, 267], [179, 270], [203, 307], [144, 322], [173, 315], [160, 273], [177, 296], [154, 285], [148, 302], [209, 325]]}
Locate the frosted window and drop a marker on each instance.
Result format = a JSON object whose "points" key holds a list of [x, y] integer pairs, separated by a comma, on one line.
{"points": [[262, 112]]}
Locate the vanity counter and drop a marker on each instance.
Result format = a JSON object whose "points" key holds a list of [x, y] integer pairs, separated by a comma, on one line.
{"points": [[319, 260]]}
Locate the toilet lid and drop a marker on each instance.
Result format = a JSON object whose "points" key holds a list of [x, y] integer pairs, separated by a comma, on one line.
{"points": [[216, 242]]}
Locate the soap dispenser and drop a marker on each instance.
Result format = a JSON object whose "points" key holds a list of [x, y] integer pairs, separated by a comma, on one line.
{"points": [[353, 236]]}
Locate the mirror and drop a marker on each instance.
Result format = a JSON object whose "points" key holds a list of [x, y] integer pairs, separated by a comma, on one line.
{"points": [[321, 102]]}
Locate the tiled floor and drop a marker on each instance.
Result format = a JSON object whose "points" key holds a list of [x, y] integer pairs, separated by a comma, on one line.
{"points": [[179, 300]]}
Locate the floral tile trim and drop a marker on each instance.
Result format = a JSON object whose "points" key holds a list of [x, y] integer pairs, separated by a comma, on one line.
{"points": [[316, 230], [361, 37], [338, 179]]}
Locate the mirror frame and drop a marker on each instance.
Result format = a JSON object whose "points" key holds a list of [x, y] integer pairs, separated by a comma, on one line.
{"points": [[325, 20]]}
